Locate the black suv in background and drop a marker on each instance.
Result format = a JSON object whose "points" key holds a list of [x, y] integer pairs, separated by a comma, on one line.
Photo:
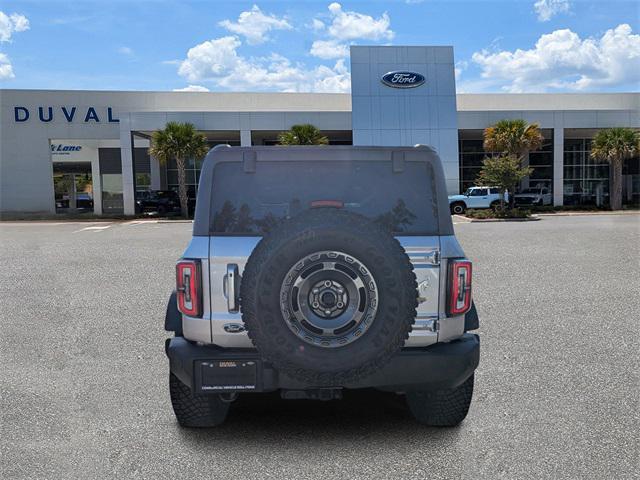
{"points": [[162, 202]]}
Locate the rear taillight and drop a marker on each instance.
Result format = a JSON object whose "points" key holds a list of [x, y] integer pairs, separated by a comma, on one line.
{"points": [[189, 287], [327, 203], [459, 300]]}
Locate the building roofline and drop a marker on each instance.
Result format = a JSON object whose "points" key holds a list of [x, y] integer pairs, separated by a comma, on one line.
{"points": [[547, 101], [341, 102]]}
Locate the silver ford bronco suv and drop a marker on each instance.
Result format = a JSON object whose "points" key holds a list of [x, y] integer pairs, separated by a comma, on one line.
{"points": [[318, 269]]}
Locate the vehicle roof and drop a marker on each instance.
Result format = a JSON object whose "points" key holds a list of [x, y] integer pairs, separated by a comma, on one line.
{"points": [[250, 155]]}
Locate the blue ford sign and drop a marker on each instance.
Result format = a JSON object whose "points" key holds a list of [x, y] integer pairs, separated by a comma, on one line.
{"points": [[403, 79]]}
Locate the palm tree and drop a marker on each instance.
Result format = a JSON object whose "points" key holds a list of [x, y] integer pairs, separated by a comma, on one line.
{"points": [[614, 146], [304, 134], [513, 139], [179, 141]]}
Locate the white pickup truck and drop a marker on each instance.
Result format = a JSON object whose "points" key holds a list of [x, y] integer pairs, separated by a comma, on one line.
{"points": [[476, 197], [534, 196]]}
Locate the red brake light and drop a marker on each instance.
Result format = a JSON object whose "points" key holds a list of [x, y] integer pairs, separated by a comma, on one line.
{"points": [[189, 287], [327, 203], [459, 300]]}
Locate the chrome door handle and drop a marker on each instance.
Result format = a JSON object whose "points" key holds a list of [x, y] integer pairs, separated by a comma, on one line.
{"points": [[231, 287]]}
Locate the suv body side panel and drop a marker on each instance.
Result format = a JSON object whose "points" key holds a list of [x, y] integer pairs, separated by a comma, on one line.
{"points": [[424, 253], [226, 250]]}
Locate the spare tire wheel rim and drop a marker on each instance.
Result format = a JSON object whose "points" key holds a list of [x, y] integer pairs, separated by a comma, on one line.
{"points": [[329, 299]]}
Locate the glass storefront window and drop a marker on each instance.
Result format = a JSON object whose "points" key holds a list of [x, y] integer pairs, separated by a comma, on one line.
{"points": [[143, 182], [586, 181], [472, 155], [112, 201]]}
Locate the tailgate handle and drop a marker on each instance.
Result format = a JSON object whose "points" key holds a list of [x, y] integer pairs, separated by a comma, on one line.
{"points": [[231, 287]]}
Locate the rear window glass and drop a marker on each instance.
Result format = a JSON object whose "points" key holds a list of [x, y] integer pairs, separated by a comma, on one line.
{"points": [[255, 203]]}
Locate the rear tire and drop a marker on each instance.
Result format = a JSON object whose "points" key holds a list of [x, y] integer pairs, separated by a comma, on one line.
{"points": [[196, 410], [496, 207], [441, 408], [458, 208]]}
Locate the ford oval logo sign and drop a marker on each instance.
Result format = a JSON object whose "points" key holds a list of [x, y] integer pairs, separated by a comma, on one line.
{"points": [[402, 79]]}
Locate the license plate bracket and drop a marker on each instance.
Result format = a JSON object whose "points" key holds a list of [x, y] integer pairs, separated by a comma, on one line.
{"points": [[228, 375]]}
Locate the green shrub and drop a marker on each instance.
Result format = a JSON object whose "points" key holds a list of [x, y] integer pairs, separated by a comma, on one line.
{"points": [[490, 213], [487, 213]]}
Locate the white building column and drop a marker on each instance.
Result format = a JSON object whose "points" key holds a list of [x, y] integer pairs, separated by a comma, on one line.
{"points": [[245, 138], [558, 166], [96, 184], [126, 157]]}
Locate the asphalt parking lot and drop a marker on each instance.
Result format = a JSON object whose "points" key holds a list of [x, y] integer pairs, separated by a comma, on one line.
{"points": [[84, 379]]}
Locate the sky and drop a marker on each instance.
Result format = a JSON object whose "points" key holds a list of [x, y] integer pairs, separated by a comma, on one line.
{"points": [[303, 46]]}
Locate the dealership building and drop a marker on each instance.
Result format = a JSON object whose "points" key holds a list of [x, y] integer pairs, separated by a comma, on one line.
{"points": [[75, 150]]}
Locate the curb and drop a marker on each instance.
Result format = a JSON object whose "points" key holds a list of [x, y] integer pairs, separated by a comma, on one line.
{"points": [[578, 214], [490, 220]]}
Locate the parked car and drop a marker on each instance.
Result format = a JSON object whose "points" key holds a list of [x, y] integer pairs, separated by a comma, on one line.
{"points": [[84, 201], [476, 197], [534, 196], [299, 280], [161, 202]]}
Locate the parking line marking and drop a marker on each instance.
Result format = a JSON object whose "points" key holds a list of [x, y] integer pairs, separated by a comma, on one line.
{"points": [[94, 228], [135, 223]]}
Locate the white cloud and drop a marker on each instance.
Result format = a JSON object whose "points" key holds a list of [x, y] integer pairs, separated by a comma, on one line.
{"points": [[6, 70], [546, 9], [128, 51], [254, 25], [317, 25], [413, 2], [347, 25], [332, 80], [327, 49], [562, 60], [211, 59], [192, 88], [218, 61], [9, 24]]}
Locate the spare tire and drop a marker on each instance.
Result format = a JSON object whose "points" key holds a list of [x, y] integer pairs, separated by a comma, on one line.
{"points": [[328, 297]]}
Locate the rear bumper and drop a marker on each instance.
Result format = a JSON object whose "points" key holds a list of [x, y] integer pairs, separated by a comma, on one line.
{"points": [[443, 365]]}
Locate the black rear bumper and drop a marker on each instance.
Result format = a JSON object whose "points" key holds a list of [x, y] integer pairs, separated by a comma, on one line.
{"points": [[211, 369]]}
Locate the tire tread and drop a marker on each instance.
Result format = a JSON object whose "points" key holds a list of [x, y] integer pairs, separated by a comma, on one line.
{"points": [[195, 410], [441, 408]]}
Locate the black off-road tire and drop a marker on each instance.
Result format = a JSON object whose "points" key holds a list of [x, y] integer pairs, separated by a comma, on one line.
{"points": [[458, 208], [196, 410], [495, 206], [441, 408], [318, 230]]}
